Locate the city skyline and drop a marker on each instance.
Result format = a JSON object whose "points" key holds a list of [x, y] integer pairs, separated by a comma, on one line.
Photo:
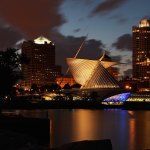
{"points": [[108, 24]]}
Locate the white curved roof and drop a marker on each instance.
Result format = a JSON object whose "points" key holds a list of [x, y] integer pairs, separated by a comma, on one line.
{"points": [[92, 73], [81, 69], [108, 64]]}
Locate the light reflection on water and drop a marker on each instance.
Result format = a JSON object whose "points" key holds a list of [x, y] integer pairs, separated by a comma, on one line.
{"points": [[128, 130]]}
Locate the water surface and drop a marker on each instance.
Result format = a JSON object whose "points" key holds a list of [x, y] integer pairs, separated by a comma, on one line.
{"points": [[128, 130]]}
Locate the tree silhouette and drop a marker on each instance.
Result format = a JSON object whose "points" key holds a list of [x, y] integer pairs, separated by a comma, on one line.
{"points": [[50, 87], [53, 87], [10, 72], [76, 85], [34, 88], [67, 86]]}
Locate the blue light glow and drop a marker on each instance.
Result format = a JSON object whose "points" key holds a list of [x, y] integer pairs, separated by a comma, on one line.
{"points": [[118, 98]]}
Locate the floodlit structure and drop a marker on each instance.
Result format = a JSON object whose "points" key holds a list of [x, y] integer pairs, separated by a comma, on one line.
{"points": [[93, 74], [141, 50], [141, 54], [118, 99], [41, 69]]}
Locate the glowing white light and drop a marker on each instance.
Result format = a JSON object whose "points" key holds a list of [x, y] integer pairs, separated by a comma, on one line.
{"points": [[42, 40], [144, 23]]}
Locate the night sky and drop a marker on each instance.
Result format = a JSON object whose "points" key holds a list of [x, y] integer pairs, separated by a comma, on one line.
{"points": [[108, 24]]}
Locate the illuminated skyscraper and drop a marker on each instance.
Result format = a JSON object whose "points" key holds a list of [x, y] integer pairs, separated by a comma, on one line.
{"points": [[41, 69], [141, 50]]}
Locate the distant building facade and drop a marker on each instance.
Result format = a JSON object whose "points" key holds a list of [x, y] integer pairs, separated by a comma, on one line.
{"points": [[141, 52], [41, 69], [114, 71]]}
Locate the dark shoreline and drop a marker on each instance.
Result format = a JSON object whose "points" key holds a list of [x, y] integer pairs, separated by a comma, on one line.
{"points": [[72, 105]]}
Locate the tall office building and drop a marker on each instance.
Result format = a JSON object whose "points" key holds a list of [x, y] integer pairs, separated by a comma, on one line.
{"points": [[141, 50], [41, 69]]}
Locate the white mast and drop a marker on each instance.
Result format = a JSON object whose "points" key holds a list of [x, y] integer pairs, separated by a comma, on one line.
{"points": [[75, 56]]}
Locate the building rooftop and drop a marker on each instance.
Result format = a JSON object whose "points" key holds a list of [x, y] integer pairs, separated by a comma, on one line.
{"points": [[41, 40], [144, 23]]}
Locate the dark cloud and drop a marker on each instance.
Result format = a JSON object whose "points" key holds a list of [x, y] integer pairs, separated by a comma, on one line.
{"points": [[32, 17], [120, 19], [116, 58], [8, 37], [67, 46], [128, 72], [128, 61], [123, 43], [76, 30], [107, 6]]}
